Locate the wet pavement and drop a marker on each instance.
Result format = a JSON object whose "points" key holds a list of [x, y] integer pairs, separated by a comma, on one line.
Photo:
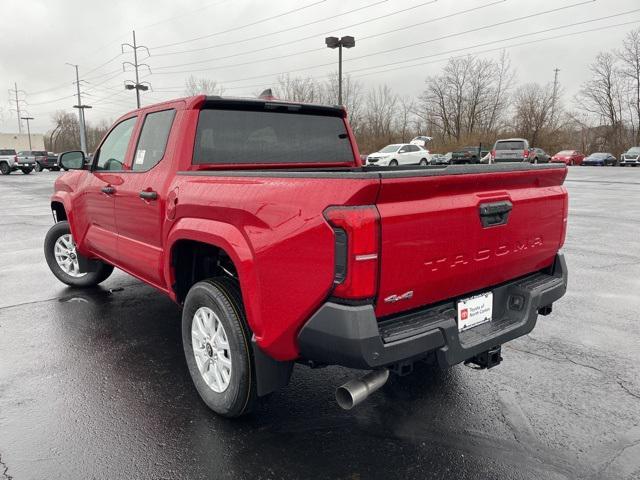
{"points": [[93, 383]]}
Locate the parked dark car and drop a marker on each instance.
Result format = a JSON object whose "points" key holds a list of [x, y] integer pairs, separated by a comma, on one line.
{"points": [[538, 155], [48, 161], [601, 159], [467, 155]]}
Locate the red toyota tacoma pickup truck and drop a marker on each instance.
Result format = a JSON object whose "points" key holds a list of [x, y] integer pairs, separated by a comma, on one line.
{"points": [[258, 217]]}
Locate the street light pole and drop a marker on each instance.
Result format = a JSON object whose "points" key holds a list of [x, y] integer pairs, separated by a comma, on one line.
{"points": [[335, 42], [28, 129]]}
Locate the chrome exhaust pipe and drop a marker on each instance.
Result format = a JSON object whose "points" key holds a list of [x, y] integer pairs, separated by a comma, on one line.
{"points": [[357, 390]]}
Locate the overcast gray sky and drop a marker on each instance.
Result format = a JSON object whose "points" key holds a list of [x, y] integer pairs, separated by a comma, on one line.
{"points": [[216, 39]]}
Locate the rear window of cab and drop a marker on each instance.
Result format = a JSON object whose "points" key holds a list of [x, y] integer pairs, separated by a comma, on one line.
{"points": [[268, 137]]}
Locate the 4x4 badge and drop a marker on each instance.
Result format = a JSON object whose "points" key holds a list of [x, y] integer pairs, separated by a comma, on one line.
{"points": [[397, 298]]}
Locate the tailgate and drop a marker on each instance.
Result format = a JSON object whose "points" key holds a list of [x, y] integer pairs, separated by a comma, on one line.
{"points": [[434, 243]]}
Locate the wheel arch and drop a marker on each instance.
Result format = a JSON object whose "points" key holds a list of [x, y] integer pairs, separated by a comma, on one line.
{"points": [[200, 247]]}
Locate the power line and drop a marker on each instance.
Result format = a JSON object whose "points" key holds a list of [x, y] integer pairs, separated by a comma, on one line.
{"points": [[457, 49], [401, 47], [295, 27], [323, 48], [246, 25]]}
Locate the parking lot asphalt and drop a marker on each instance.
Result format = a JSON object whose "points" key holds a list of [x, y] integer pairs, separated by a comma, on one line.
{"points": [[93, 383]]}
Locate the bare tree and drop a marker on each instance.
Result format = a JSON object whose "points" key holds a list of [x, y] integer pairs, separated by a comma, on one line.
{"points": [[299, 89], [629, 55], [405, 117], [202, 86], [533, 111], [602, 97], [352, 97], [468, 100], [380, 113]]}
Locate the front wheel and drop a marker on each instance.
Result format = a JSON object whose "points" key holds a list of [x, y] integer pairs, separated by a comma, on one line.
{"points": [[424, 162], [38, 167], [216, 341], [5, 169], [26, 171], [62, 258], [393, 163]]}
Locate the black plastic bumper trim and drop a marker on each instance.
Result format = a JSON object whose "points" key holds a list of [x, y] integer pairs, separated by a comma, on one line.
{"points": [[352, 336]]}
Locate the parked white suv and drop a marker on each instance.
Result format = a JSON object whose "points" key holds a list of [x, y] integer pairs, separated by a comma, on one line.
{"points": [[10, 162], [399, 154], [630, 157]]}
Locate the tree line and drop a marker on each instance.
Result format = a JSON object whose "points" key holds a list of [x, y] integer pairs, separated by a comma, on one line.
{"points": [[471, 101]]}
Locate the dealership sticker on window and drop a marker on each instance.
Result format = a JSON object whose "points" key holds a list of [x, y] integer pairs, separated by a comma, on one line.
{"points": [[140, 157]]}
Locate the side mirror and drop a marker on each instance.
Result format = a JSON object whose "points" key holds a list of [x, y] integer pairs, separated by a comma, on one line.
{"points": [[74, 160]]}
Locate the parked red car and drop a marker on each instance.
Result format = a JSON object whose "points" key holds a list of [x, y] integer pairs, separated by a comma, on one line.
{"points": [[258, 217], [568, 157]]}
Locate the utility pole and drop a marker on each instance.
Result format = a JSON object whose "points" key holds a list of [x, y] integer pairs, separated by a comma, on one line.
{"points": [[137, 86], [335, 42], [80, 107], [16, 92], [555, 92], [28, 129]]}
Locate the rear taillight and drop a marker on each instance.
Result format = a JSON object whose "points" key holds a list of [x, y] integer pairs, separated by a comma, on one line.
{"points": [[493, 154], [526, 153], [357, 244]]}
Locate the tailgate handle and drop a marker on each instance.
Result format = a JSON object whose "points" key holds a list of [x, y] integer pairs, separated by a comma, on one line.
{"points": [[495, 213]]}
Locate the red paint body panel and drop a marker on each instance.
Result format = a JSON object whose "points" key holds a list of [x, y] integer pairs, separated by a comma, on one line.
{"points": [[273, 228], [434, 244]]}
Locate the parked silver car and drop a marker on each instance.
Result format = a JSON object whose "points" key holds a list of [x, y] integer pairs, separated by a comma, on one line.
{"points": [[511, 150], [630, 157]]}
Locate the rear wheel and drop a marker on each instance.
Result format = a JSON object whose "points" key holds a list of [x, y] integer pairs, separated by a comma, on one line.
{"points": [[424, 162], [571, 163], [26, 171], [62, 258], [393, 163], [535, 160], [4, 168], [38, 167], [216, 341]]}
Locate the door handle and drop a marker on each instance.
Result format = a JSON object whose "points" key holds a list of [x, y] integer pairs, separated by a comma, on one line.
{"points": [[148, 195], [496, 213], [109, 190]]}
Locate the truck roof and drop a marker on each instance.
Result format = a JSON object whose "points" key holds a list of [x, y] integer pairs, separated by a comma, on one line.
{"points": [[200, 101]]}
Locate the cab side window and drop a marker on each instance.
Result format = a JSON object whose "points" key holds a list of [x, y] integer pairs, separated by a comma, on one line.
{"points": [[111, 154], [153, 140]]}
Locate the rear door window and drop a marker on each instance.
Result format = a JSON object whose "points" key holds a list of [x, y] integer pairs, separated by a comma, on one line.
{"points": [[510, 145], [153, 140], [245, 137]]}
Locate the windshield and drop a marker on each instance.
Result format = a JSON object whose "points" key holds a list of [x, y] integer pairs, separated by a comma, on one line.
{"points": [[634, 151], [7, 152], [390, 149], [565, 152], [40, 154], [599, 155]]}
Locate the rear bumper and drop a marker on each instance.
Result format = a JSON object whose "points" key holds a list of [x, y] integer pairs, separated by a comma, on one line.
{"points": [[353, 337]]}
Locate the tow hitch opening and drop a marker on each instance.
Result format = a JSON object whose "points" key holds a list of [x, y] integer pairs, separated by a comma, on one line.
{"points": [[488, 359]]}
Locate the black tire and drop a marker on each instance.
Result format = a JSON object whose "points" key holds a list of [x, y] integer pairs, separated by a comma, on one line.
{"points": [[393, 163], [26, 171], [5, 169], [90, 279], [38, 167], [424, 162], [535, 160], [222, 295]]}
